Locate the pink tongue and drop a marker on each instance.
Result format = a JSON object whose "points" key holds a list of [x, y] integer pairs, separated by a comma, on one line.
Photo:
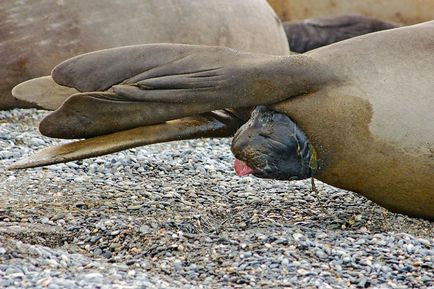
{"points": [[241, 168]]}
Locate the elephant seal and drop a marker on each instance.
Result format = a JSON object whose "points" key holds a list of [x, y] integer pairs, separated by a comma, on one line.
{"points": [[317, 32], [38, 34], [366, 112]]}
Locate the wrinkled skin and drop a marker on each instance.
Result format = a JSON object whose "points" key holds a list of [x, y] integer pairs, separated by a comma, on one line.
{"points": [[273, 146]]}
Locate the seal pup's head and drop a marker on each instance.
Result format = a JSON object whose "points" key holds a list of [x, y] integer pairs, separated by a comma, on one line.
{"points": [[270, 145]]}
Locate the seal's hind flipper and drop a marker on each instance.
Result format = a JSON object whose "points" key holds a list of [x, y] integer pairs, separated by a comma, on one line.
{"points": [[213, 124], [43, 92], [132, 86], [91, 114], [99, 70]]}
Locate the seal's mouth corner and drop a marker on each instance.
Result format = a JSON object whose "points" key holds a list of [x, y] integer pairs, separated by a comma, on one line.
{"points": [[241, 168]]}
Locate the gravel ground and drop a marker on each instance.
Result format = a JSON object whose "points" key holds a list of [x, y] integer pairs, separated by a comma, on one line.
{"points": [[175, 216]]}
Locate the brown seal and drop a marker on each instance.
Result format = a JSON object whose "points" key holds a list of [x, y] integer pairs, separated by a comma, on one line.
{"points": [[38, 34], [365, 104], [309, 34]]}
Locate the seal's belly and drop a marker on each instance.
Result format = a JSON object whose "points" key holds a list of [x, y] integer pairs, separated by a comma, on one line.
{"points": [[352, 155]]}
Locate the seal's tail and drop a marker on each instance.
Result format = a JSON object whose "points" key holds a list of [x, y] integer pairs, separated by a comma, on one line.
{"points": [[44, 92], [214, 124]]}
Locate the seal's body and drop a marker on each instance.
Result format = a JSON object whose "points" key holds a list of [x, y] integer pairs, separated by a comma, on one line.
{"points": [[366, 105], [374, 128]]}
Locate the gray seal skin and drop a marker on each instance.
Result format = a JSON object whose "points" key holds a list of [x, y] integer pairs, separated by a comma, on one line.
{"points": [[38, 34], [366, 105], [317, 32]]}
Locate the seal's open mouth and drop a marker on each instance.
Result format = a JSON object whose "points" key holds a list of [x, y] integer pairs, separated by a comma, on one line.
{"points": [[241, 168]]}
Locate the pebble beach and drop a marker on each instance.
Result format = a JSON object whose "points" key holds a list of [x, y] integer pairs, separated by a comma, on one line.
{"points": [[175, 215]]}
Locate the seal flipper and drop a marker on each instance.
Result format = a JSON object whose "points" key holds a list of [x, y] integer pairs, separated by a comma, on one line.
{"points": [[128, 87], [43, 92], [99, 70], [91, 114], [214, 124]]}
